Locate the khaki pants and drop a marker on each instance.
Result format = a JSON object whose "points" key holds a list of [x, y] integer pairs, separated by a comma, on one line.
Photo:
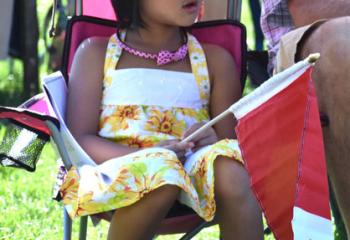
{"points": [[291, 45]]}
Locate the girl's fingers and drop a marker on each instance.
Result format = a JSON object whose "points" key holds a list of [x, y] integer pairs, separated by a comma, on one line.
{"points": [[166, 143], [205, 142], [181, 154], [177, 147], [210, 132], [183, 146], [192, 129]]}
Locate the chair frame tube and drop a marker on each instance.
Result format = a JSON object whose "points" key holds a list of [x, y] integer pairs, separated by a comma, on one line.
{"points": [[196, 230], [79, 7], [67, 221], [234, 9], [83, 228], [55, 134], [67, 226]]}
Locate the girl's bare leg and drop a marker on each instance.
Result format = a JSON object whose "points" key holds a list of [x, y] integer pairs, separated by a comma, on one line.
{"points": [[238, 211], [140, 220]]}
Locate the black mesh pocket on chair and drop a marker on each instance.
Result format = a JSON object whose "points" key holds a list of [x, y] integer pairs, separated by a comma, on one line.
{"points": [[20, 145]]}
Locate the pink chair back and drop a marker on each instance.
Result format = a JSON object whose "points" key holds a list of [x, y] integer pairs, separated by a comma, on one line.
{"points": [[101, 9], [228, 34]]}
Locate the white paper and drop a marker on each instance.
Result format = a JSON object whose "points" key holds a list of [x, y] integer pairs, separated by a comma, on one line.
{"points": [[55, 88]]}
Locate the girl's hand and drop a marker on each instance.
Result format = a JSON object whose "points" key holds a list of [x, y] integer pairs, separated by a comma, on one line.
{"points": [[176, 146], [205, 138]]}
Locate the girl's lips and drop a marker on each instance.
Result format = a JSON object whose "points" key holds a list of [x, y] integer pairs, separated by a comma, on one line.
{"points": [[190, 6]]}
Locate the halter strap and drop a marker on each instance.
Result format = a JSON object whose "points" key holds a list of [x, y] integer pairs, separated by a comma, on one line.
{"points": [[195, 52]]}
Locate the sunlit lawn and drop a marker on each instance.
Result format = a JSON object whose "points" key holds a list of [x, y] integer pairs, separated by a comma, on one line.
{"points": [[26, 208]]}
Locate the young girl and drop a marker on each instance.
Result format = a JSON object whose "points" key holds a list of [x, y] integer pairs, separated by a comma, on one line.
{"points": [[129, 109]]}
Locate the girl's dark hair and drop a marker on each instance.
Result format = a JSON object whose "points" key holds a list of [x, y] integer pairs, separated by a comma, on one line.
{"points": [[128, 13]]}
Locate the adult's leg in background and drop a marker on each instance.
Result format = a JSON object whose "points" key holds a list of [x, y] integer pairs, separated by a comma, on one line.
{"points": [[332, 80]]}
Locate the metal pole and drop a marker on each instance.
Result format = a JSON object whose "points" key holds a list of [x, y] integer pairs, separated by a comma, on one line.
{"points": [[55, 133], [79, 7], [67, 226], [196, 230], [238, 7], [234, 8], [83, 228]]}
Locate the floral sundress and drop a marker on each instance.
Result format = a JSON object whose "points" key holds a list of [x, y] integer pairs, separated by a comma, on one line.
{"points": [[141, 107]]}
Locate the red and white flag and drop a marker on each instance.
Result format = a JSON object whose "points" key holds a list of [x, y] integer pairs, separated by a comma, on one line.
{"points": [[280, 137]]}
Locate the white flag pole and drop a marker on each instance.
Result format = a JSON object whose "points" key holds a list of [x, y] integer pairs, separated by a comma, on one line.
{"points": [[206, 126]]}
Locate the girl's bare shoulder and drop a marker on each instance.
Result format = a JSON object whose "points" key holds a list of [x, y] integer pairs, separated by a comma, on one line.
{"points": [[219, 60], [88, 63], [216, 54], [92, 48]]}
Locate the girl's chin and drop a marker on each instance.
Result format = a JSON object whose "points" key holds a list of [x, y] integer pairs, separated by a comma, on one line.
{"points": [[186, 23]]}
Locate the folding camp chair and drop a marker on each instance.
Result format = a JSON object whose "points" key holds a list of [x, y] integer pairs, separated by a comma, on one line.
{"points": [[229, 34], [37, 123]]}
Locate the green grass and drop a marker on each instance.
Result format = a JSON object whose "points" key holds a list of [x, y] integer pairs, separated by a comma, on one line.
{"points": [[27, 211]]}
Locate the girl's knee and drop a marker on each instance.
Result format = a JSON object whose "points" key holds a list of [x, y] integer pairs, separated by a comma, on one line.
{"points": [[232, 182], [169, 189]]}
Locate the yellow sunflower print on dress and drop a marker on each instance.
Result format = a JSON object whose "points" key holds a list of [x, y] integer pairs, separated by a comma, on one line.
{"points": [[166, 123], [122, 181]]}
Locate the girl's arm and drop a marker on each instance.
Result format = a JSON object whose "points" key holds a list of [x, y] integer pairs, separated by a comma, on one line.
{"points": [[84, 101], [225, 88]]}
